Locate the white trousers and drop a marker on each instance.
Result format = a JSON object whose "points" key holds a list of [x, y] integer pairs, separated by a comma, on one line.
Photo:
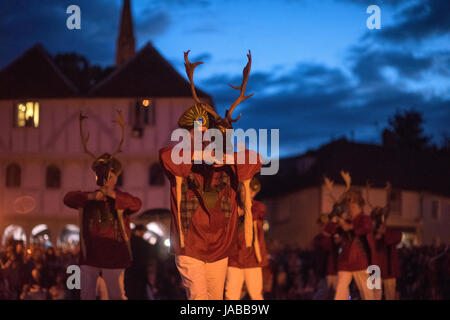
{"points": [[389, 286], [235, 280], [113, 278], [202, 280], [344, 278]]}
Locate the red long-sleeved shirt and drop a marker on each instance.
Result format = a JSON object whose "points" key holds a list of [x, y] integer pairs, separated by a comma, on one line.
{"points": [[207, 234], [354, 256], [241, 256], [386, 255], [104, 242]]}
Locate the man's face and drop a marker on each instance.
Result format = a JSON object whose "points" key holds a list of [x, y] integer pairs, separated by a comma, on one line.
{"points": [[112, 180], [354, 209]]}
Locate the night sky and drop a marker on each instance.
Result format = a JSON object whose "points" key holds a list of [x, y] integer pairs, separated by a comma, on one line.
{"points": [[318, 73]]}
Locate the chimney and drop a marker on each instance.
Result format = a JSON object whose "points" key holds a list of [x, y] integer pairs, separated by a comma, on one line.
{"points": [[125, 41]]}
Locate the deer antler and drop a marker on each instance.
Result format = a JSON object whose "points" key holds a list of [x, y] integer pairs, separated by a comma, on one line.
{"points": [[84, 139], [347, 179], [242, 87], [190, 67], [329, 186], [121, 122]]}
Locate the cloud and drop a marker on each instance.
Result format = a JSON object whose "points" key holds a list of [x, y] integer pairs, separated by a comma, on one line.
{"points": [[369, 64], [34, 21], [313, 103], [419, 20], [392, 3], [154, 24]]}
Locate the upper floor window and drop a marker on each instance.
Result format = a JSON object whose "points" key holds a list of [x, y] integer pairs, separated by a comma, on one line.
{"points": [[156, 175], [53, 177], [435, 209], [13, 175], [144, 115], [26, 114], [395, 201]]}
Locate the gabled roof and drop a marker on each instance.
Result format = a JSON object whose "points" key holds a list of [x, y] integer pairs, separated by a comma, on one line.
{"points": [[426, 171], [34, 75], [147, 74]]}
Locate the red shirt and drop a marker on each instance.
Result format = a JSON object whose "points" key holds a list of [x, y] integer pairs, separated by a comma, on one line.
{"points": [[357, 245], [241, 256], [208, 228], [386, 254], [102, 233]]}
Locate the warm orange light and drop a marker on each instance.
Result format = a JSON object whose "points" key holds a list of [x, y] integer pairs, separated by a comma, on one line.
{"points": [[145, 102]]}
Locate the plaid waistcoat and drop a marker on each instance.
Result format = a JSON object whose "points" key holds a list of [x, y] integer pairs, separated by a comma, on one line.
{"points": [[190, 201]]}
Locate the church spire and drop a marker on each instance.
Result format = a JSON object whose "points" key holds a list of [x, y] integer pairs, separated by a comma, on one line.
{"points": [[125, 41]]}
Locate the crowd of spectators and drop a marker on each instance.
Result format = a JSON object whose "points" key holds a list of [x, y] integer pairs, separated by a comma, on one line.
{"points": [[39, 273], [35, 272], [298, 274]]}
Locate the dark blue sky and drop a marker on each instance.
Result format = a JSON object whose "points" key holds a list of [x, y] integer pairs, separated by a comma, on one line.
{"points": [[318, 73]]}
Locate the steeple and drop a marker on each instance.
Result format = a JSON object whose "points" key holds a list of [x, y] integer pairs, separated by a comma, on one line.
{"points": [[125, 41]]}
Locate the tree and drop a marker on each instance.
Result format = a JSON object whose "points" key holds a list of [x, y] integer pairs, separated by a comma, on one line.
{"points": [[80, 72], [405, 132]]}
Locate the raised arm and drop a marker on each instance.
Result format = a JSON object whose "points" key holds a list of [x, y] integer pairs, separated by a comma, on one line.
{"points": [[76, 199], [127, 202]]}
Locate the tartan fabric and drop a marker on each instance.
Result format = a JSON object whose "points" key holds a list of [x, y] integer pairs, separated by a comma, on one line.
{"points": [[189, 204]]}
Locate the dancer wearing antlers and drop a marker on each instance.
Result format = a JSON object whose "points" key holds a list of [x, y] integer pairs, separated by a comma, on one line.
{"points": [[104, 223], [356, 246], [245, 264], [203, 199], [385, 251]]}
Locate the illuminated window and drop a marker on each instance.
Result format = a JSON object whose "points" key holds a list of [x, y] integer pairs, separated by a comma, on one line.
{"points": [[13, 175], [144, 115], [27, 114]]}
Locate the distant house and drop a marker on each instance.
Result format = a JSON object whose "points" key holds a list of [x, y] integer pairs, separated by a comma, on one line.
{"points": [[420, 199], [41, 157]]}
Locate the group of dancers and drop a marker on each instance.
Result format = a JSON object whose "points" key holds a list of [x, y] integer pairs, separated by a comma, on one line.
{"points": [[216, 232], [216, 226], [354, 241]]}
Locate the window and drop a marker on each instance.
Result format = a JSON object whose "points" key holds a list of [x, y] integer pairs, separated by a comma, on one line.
{"points": [[53, 177], [144, 115], [156, 175], [435, 209], [27, 114], [13, 175], [395, 201]]}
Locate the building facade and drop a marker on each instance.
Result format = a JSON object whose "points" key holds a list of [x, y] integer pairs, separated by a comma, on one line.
{"points": [[41, 157]]}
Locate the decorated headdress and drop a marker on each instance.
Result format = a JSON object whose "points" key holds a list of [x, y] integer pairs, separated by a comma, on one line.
{"points": [[205, 113], [107, 161]]}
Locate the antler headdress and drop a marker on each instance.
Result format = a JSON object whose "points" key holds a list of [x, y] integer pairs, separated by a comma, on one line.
{"points": [[191, 115], [105, 158]]}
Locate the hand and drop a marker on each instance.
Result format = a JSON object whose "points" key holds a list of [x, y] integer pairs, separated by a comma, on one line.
{"points": [[382, 229], [108, 192], [344, 225], [98, 196], [337, 238]]}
